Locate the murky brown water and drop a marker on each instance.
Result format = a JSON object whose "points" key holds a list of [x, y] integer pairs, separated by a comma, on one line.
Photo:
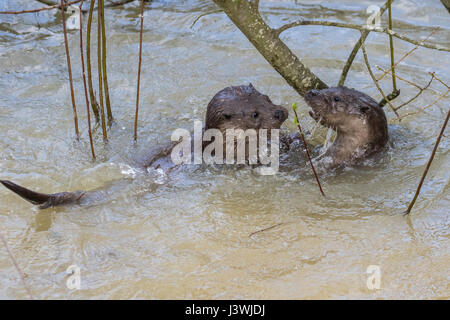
{"points": [[189, 237]]}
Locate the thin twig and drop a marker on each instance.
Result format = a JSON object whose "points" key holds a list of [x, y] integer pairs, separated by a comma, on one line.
{"points": [[265, 229], [421, 89], [204, 14], [428, 106], [408, 53], [16, 265], [139, 71], [446, 85], [297, 122], [428, 165], [416, 96], [360, 28], [84, 83], [400, 78], [69, 68], [94, 103], [366, 60], [53, 6], [356, 48], [120, 3]]}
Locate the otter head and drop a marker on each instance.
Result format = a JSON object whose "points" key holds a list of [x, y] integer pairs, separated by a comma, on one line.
{"points": [[243, 107], [359, 120]]}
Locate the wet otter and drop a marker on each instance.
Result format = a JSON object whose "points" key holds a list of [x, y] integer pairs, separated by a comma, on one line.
{"points": [[358, 119], [237, 107]]}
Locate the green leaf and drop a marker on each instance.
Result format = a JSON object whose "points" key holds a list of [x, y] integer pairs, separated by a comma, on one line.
{"points": [[295, 106], [295, 121]]}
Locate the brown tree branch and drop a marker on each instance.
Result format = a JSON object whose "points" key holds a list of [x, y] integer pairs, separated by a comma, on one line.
{"points": [[245, 15]]}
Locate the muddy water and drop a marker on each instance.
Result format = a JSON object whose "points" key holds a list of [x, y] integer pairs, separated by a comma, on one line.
{"points": [[189, 236]]}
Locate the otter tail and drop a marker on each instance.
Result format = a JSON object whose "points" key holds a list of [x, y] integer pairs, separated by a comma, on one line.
{"points": [[42, 199]]}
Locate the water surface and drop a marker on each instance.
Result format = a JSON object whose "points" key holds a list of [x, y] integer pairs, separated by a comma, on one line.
{"points": [[188, 236]]}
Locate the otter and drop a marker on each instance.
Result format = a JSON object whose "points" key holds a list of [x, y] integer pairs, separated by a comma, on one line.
{"points": [[235, 107], [360, 123]]}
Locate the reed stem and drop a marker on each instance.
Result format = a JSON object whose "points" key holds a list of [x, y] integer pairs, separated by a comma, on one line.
{"points": [[69, 68], [297, 122], [139, 71], [84, 83], [99, 67], [105, 75], [88, 62]]}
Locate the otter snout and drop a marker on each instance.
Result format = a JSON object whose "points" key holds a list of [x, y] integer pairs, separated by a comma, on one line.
{"points": [[281, 115], [311, 94]]}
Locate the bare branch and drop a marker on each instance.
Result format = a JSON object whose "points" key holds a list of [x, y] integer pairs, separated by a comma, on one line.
{"points": [[421, 89], [51, 6], [360, 28], [366, 60], [428, 164], [428, 106], [407, 54], [356, 48], [204, 14]]}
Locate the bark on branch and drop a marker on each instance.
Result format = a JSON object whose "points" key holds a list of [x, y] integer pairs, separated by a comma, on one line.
{"points": [[245, 15]]}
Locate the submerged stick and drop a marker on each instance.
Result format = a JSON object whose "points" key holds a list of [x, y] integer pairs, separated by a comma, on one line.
{"points": [[16, 265], [294, 107], [265, 229], [139, 71], [88, 62], [105, 75], [84, 83], [99, 68], [411, 205], [75, 117]]}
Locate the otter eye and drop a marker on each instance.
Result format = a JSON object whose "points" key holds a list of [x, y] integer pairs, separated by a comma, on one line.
{"points": [[255, 115], [363, 109], [336, 98], [227, 116]]}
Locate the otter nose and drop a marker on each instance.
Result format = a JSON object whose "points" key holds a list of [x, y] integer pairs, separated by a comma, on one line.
{"points": [[313, 93], [280, 115]]}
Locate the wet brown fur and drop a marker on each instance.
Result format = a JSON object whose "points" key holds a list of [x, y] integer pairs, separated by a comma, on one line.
{"points": [[237, 107], [359, 121]]}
